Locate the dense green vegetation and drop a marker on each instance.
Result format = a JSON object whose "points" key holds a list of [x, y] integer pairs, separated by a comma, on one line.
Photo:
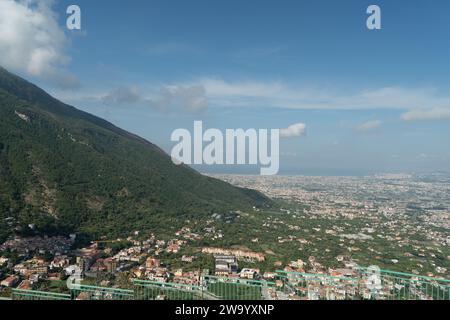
{"points": [[63, 170]]}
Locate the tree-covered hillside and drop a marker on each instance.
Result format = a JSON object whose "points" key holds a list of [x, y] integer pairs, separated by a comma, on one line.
{"points": [[65, 170]]}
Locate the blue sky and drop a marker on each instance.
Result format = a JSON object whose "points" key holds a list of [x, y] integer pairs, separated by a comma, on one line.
{"points": [[372, 101]]}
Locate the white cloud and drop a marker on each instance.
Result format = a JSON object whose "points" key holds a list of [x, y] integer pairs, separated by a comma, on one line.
{"points": [[279, 94], [121, 96], [32, 42], [295, 130], [431, 114], [190, 99], [369, 125], [198, 95], [165, 99]]}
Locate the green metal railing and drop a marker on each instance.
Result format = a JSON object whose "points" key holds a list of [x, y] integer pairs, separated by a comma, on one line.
{"points": [[210, 288], [368, 283], [238, 289], [153, 290], [304, 286], [389, 285], [19, 294], [84, 292]]}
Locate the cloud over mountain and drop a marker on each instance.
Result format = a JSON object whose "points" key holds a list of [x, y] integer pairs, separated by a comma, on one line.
{"points": [[167, 99]]}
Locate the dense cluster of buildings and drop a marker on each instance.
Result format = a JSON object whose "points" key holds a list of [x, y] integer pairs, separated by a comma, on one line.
{"points": [[235, 252], [396, 219]]}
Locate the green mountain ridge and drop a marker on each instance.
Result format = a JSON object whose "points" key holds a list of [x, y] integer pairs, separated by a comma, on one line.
{"points": [[65, 170]]}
